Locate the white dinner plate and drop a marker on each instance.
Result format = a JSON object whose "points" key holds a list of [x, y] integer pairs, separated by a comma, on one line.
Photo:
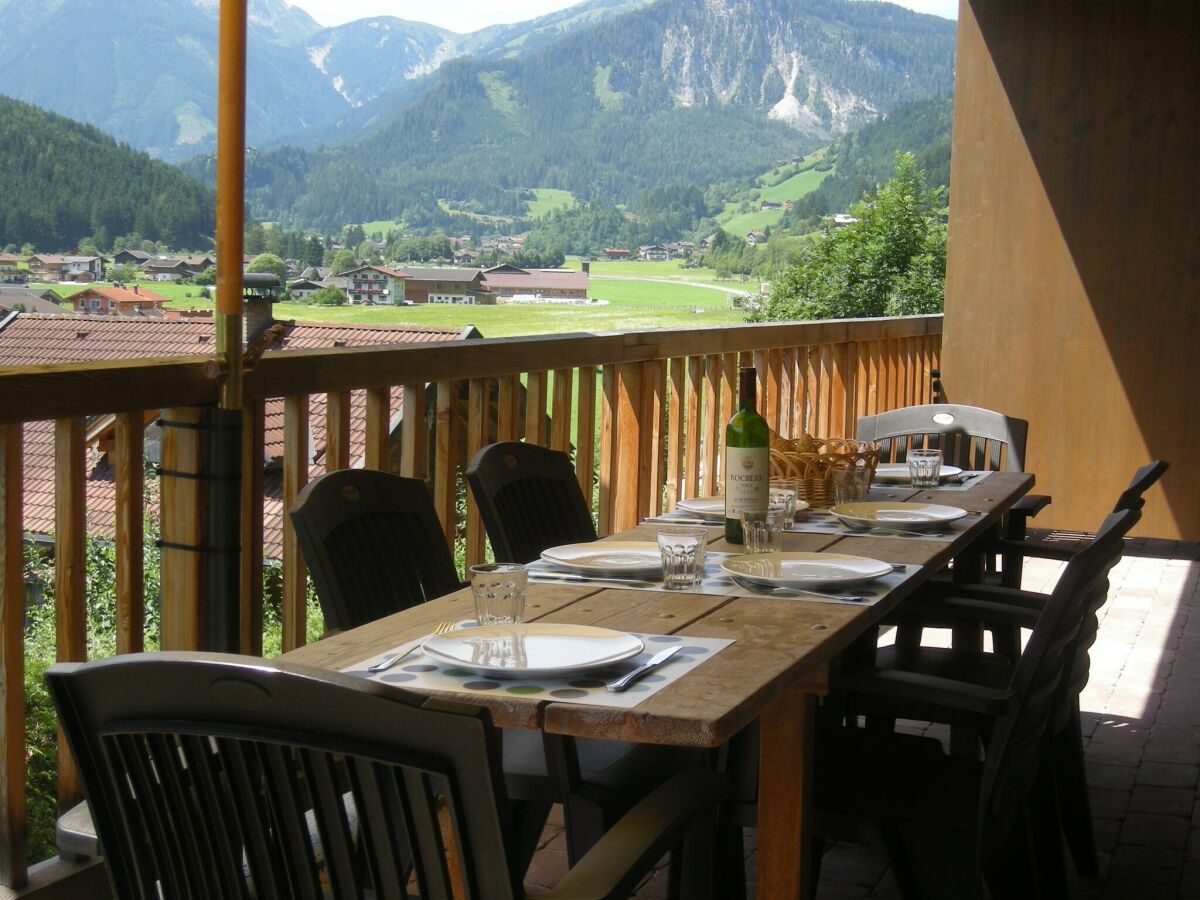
{"points": [[532, 651], [909, 516], [607, 557], [805, 569], [704, 507], [714, 507], [897, 473]]}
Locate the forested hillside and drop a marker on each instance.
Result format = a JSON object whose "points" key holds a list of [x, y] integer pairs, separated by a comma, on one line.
{"points": [[866, 157], [64, 181], [675, 91]]}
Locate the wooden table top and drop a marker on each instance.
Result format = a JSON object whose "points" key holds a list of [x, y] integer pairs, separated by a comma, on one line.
{"points": [[778, 642]]}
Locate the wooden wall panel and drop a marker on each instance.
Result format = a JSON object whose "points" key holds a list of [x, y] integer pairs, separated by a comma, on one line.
{"points": [[1073, 282]]}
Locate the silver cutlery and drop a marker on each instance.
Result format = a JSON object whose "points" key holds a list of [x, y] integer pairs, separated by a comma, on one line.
{"points": [[769, 590], [653, 663], [588, 579], [675, 520], [408, 649], [885, 529]]}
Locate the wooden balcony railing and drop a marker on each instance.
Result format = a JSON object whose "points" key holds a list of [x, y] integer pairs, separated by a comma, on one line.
{"points": [[642, 410]]}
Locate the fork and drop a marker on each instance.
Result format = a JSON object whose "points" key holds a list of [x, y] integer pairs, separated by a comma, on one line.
{"points": [[387, 662], [793, 592]]}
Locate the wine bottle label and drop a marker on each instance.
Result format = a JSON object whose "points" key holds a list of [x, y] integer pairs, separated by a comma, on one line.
{"points": [[746, 480]]}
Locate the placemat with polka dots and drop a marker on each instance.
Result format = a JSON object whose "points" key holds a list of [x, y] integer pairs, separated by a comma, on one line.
{"points": [[420, 672]]}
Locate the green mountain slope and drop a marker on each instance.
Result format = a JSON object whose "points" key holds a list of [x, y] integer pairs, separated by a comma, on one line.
{"points": [[64, 181], [675, 91]]}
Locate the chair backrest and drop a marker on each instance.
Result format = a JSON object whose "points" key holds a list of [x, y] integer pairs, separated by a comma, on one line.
{"points": [[529, 499], [1143, 478], [1014, 747], [373, 544], [969, 437], [206, 773]]}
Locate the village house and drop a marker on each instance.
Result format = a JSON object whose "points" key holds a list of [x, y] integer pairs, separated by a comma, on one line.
{"points": [[754, 238], [29, 301], [458, 286], [654, 252], [41, 340], [119, 301], [53, 267], [375, 285], [614, 253], [9, 273], [511, 282], [162, 268], [769, 204], [841, 220], [136, 258]]}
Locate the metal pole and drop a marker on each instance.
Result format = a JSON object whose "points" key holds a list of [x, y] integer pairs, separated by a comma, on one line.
{"points": [[223, 552]]}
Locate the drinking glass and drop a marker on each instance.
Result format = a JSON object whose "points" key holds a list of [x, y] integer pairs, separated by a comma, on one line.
{"points": [[682, 548], [851, 484], [499, 590], [783, 492], [761, 529], [924, 467]]}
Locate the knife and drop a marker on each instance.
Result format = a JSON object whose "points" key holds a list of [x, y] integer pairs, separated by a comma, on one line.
{"points": [[655, 661], [388, 661], [535, 575]]}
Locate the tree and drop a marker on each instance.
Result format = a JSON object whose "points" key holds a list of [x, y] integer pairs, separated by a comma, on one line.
{"points": [[123, 272], [329, 296], [313, 251], [892, 261], [268, 262], [343, 261]]}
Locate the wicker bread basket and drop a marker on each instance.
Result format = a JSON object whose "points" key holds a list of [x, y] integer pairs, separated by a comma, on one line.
{"points": [[810, 462]]}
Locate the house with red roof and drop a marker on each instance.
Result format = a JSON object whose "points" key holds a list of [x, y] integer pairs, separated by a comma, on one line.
{"points": [[119, 301], [39, 340], [375, 285], [511, 282]]}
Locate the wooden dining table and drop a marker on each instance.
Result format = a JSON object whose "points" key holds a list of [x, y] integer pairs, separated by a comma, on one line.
{"points": [[777, 667]]}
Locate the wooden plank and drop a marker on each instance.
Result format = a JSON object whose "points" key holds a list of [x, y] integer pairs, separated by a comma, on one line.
{"points": [[478, 409], [414, 431], [378, 427], [610, 472], [651, 456], [839, 392], [14, 855], [337, 431], [182, 501], [536, 384], [676, 391], [812, 393], [729, 388], [445, 466], [560, 421], [70, 575], [628, 428], [774, 379], [714, 425], [787, 388], [585, 433], [253, 483], [759, 357], [825, 393], [691, 406], [508, 408], [128, 460], [294, 599]]}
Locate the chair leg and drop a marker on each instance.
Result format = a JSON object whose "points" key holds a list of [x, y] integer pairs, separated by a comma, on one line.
{"points": [[933, 864], [1074, 807], [1046, 828], [1012, 872], [529, 820], [730, 877]]}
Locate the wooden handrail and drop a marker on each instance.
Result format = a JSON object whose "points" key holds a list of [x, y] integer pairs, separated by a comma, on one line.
{"points": [[648, 410]]}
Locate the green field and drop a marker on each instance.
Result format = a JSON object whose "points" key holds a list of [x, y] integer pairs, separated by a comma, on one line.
{"points": [[381, 226], [786, 182], [549, 199], [670, 269]]}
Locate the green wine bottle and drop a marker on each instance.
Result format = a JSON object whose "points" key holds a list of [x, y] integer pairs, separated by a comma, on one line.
{"points": [[747, 479]]}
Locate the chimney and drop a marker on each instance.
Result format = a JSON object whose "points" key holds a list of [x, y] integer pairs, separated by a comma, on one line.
{"points": [[259, 290], [587, 266], [136, 289]]}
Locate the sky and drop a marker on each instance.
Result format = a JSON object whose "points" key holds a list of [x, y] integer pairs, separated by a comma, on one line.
{"points": [[470, 15]]}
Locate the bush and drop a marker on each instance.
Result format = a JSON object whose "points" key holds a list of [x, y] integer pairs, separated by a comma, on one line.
{"points": [[329, 296]]}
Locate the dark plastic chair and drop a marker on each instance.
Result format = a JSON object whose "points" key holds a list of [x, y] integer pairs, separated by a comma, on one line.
{"points": [[529, 499], [373, 545], [1061, 795], [947, 822], [207, 772], [969, 437]]}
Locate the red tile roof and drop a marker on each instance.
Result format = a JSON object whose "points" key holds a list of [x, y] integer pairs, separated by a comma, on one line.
{"points": [[37, 340], [122, 294], [538, 279]]}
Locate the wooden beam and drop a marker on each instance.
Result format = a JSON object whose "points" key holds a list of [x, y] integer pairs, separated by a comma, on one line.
{"points": [[129, 475], [253, 483], [337, 431], [445, 468], [414, 432], [70, 574], [182, 526], [478, 409], [585, 434], [378, 423], [13, 835], [560, 419], [294, 600]]}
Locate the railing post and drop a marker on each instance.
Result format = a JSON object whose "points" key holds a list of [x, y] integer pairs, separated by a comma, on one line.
{"points": [[182, 528], [585, 433], [70, 575], [445, 469], [378, 420], [294, 601], [13, 838], [253, 483]]}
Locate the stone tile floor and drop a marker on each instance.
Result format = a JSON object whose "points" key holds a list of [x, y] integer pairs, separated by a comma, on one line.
{"points": [[1141, 713]]}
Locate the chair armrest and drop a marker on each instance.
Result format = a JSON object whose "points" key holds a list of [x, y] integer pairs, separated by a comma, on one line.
{"points": [[1030, 547], [1030, 505], [936, 591], [967, 609], [618, 862], [930, 690]]}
